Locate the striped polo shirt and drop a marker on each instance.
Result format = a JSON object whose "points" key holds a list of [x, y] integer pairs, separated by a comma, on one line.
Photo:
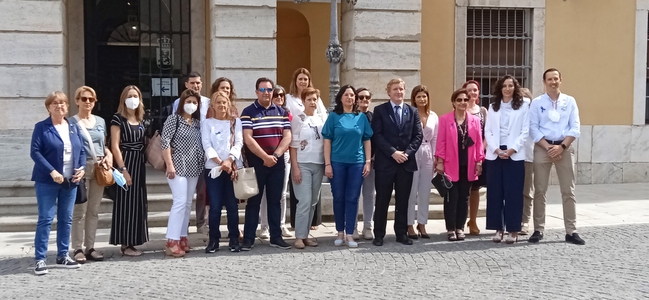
{"points": [[268, 125]]}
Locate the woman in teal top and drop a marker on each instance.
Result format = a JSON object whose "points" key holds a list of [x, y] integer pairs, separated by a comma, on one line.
{"points": [[347, 149]]}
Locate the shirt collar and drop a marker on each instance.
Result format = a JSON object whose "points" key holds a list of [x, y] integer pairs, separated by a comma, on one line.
{"points": [[259, 106], [394, 104]]}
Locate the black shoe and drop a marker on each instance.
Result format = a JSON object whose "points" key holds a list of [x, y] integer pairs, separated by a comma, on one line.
{"points": [[404, 240], [234, 245], [377, 242], [280, 243], [575, 239], [212, 247], [67, 262], [536, 237], [40, 268], [247, 245], [413, 236]]}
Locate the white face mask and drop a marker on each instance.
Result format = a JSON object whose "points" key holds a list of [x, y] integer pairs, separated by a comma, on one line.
{"points": [[132, 103], [190, 108]]}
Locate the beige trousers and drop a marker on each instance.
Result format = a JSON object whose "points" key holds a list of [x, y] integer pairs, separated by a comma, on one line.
{"points": [[528, 192], [86, 215], [566, 173]]}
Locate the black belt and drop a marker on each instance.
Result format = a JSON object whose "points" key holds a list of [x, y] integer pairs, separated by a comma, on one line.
{"points": [[503, 147], [556, 143]]}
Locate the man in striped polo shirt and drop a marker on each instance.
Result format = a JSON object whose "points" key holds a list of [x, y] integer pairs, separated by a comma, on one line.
{"points": [[266, 135]]}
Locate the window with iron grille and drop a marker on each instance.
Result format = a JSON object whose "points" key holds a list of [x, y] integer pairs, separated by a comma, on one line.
{"points": [[499, 42]]}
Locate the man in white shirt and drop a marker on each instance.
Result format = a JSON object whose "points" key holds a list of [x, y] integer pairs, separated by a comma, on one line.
{"points": [[554, 126], [194, 82]]}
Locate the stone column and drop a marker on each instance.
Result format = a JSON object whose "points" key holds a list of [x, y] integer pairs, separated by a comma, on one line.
{"points": [[381, 40], [242, 43]]}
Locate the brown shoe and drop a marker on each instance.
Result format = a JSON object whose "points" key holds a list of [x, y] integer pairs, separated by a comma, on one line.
{"points": [[172, 248], [184, 244], [299, 244], [311, 243], [79, 256], [473, 228]]}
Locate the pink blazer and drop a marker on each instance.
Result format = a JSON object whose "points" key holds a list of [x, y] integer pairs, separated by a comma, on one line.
{"points": [[447, 146]]}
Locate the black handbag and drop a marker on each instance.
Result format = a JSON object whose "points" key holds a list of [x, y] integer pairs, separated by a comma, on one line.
{"points": [[442, 184], [82, 194]]}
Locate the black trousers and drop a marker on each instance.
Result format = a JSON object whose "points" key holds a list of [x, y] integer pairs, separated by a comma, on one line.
{"points": [[399, 181], [317, 214], [456, 202]]}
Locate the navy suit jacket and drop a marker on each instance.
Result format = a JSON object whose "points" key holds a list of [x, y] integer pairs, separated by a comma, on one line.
{"points": [[47, 150], [390, 137]]}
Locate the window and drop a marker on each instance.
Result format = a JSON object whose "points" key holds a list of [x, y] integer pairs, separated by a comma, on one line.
{"points": [[499, 42]]}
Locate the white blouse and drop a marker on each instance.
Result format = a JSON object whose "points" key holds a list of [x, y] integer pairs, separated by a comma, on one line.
{"points": [[216, 140], [307, 138], [64, 133]]}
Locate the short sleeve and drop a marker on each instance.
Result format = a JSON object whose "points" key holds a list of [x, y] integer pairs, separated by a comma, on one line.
{"points": [[328, 128], [167, 130], [367, 133], [246, 121], [116, 121]]}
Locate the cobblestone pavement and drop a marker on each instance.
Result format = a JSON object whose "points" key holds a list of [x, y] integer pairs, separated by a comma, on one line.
{"points": [[612, 265]]}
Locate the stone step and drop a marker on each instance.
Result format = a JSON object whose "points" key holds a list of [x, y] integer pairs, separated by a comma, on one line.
{"points": [[27, 223], [26, 188]]}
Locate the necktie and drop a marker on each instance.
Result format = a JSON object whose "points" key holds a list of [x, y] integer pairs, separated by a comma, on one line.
{"points": [[397, 114]]}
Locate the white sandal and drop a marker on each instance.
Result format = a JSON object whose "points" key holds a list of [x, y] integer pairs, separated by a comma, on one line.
{"points": [[498, 237]]}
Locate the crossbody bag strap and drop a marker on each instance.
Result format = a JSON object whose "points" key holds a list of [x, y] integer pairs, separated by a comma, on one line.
{"points": [[233, 121], [86, 135]]}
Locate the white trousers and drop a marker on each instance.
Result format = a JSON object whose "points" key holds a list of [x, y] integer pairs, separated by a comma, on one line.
{"points": [[367, 201], [421, 185], [182, 191]]}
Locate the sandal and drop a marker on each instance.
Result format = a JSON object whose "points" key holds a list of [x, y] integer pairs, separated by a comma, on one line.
{"points": [[460, 235], [93, 254], [79, 256], [451, 236], [130, 251]]}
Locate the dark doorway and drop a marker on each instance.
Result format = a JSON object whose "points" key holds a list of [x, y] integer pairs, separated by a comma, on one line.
{"points": [[137, 42]]}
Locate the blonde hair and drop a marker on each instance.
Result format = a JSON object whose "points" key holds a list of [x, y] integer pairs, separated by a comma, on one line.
{"points": [[122, 109], [292, 89], [309, 91], [395, 81], [77, 94], [212, 108], [56, 95]]}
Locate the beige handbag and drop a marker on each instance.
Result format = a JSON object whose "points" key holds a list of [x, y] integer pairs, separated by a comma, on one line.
{"points": [[153, 152], [245, 184]]}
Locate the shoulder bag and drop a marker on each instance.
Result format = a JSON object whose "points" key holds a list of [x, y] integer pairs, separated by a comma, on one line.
{"points": [[102, 172], [153, 151], [245, 184]]}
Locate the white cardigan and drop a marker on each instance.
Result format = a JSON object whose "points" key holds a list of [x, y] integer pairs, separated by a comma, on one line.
{"points": [[519, 126]]}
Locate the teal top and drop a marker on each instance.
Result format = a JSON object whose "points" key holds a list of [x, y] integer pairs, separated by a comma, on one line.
{"points": [[347, 133]]}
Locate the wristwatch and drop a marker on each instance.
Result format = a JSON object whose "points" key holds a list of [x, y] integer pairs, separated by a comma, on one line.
{"points": [[564, 146], [275, 155], [122, 169]]}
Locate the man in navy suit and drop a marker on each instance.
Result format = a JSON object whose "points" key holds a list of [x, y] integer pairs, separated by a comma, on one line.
{"points": [[397, 136]]}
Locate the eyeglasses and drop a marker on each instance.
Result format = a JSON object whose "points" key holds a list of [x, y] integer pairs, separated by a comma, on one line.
{"points": [[266, 90], [278, 95], [87, 99], [462, 100], [364, 97]]}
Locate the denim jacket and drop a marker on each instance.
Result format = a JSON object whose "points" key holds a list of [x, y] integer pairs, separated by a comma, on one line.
{"points": [[47, 150]]}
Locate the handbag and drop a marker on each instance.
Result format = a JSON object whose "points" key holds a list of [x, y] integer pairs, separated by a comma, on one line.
{"points": [[442, 184], [153, 151], [245, 184], [102, 172], [82, 193]]}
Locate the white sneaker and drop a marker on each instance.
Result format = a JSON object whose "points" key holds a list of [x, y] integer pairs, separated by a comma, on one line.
{"points": [[367, 234], [286, 232], [263, 233], [357, 234]]}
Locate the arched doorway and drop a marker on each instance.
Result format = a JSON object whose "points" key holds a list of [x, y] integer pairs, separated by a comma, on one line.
{"points": [[293, 44]]}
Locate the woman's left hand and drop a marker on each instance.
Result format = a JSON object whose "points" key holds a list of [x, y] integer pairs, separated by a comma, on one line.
{"points": [[234, 175], [78, 175], [366, 169], [478, 169]]}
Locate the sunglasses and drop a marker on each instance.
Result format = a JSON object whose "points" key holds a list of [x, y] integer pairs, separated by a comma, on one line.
{"points": [[364, 97], [266, 90], [462, 100], [278, 95], [87, 99]]}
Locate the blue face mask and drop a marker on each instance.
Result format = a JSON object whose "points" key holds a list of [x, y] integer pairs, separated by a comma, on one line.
{"points": [[119, 179]]}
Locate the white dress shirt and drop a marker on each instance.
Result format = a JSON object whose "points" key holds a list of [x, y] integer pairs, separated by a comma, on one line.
{"points": [[400, 109], [215, 135], [542, 127], [205, 104], [517, 130]]}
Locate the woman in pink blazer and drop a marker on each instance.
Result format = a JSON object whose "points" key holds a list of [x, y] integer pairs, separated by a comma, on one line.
{"points": [[459, 154]]}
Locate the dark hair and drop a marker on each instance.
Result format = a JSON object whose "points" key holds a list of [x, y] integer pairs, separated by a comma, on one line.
{"points": [[193, 75], [551, 70], [339, 100], [278, 88], [362, 89], [181, 104], [517, 100], [264, 79], [416, 90], [457, 93]]}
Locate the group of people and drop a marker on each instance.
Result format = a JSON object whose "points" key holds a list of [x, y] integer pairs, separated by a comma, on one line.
{"points": [[292, 142]]}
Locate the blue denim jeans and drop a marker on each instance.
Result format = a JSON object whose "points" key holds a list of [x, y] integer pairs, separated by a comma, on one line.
{"points": [[220, 192], [271, 180], [47, 196], [346, 189]]}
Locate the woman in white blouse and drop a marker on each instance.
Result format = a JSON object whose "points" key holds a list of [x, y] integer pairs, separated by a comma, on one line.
{"points": [[506, 130], [222, 140], [422, 178], [307, 164]]}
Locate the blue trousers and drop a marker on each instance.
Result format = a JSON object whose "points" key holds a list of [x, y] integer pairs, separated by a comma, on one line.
{"points": [[346, 189], [47, 196], [505, 181], [220, 192], [271, 180]]}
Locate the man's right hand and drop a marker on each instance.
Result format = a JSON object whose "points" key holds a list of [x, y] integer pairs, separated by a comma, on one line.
{"points": [[399, 157], [269, 161]]}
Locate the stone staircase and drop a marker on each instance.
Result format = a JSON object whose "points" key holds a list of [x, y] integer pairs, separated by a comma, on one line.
{"points": [[19, 210]]}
